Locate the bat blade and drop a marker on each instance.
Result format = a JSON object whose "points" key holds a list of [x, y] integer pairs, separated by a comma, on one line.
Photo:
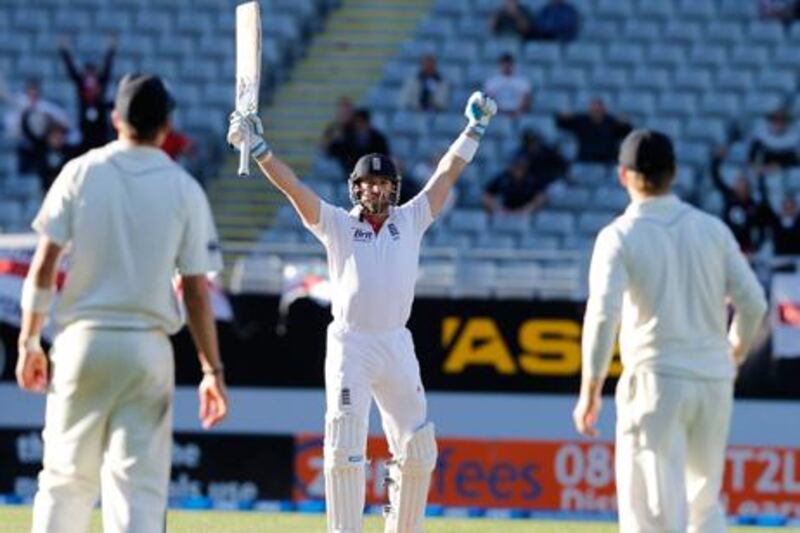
{"points": [[248, 69]]}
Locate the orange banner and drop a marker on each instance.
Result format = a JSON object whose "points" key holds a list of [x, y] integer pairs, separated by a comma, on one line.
{"points": [[556, 475]]}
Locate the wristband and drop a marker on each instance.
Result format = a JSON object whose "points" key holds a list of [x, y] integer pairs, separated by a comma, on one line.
{"points": [[213, 370], [464, 147], [259, 148], [33, 344], [35, 299]]}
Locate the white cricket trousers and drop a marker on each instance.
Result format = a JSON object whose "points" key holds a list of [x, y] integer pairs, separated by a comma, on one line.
{"points": [[670, 452], [360, 366], [107, 424]]}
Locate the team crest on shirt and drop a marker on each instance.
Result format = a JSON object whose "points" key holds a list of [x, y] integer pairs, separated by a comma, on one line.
{"points": [[393, 231], [359, 235]]}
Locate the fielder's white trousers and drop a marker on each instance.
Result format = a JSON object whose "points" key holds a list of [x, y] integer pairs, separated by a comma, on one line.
{"points": [[108, 424], [360, 366], [670, 452]]}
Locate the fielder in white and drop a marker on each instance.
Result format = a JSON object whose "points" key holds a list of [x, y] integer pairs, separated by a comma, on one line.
{"points": [[131, 218], [373, 257], [666, 270]]}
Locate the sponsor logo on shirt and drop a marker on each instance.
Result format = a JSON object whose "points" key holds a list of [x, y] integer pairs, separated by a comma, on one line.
{"points": [[393, 231], [360, 235]]}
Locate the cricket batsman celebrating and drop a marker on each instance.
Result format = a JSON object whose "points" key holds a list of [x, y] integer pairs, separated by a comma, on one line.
{"points": [[665, 270], [373, 258]]}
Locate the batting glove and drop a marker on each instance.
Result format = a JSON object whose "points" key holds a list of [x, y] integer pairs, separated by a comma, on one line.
{"points": [[247, 127], [479, 111]]}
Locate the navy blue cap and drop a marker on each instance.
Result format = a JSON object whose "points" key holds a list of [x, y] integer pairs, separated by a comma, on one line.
{"points": [[143, 101], [647, 152]]}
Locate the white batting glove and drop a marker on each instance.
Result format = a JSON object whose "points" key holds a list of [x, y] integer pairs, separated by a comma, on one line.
{"points": [[479, 111], [247, 127]]}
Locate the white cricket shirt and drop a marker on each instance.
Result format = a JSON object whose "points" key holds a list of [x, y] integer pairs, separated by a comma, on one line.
{"points": [[373, 275], [132, 217], [665, 269]]}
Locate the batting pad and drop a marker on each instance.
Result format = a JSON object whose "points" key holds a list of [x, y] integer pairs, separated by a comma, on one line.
{"points": [[409, 481], [345, 481]]}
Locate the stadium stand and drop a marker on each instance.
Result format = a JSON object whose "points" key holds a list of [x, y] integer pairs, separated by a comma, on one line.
{"points": [[192, 48], [704, 71]]}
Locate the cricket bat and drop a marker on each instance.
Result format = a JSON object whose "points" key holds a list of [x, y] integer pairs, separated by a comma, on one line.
{"points": [[248, 69]]}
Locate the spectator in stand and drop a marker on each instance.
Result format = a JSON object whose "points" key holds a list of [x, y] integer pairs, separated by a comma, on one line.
{"points": [[90, 85], [785, 11], [740, 211], [545, 163], [775, 143], [28, 121], [511, 92], [784, 226], [511, 18], [515, 190], [426, 90], [556, 21], [52, 152], [334, 131], [358, 139], [598, 132]]}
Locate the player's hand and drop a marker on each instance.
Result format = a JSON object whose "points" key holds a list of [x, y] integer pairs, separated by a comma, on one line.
{"points": [[586, 414], [33, 373], [738, 354], [213, 400], [479, 111], [247, 127]]}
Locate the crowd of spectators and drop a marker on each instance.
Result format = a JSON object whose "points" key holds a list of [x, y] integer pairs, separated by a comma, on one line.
{"points": [[46, 137], [521, 185], [751, 216]]}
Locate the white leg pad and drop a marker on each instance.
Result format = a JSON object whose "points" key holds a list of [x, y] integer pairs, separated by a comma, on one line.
{"points": [[345, 480], [409, 478]]}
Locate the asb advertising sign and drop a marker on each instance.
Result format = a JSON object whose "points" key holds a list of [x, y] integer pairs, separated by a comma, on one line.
{"points": [[556, 475]]}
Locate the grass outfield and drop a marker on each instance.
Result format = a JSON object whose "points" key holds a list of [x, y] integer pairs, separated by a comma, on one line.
{"points": [[17, 519]]}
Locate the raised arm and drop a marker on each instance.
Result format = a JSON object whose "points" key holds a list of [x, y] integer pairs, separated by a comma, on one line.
{"points": [[767, 213], [305, 201], [108, 62], [479, 111], [69, 63], [716, 175]]}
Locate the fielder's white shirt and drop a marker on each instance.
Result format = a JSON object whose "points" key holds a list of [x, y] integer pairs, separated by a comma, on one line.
{"points": [[508, 91], [373, 275], [132, 217], [665, 269]]}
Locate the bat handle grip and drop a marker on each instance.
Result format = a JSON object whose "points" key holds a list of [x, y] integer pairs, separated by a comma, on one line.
{"points": [[244, 158]]}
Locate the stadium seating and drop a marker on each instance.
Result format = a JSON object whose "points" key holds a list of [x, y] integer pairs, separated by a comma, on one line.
{"points": [[691, 68], [696, 69]]}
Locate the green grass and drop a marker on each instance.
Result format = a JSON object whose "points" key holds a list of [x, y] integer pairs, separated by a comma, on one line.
{"points": [[17, 519]]}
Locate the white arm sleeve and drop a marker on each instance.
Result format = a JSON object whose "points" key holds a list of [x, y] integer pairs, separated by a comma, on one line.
{"points": [[607, 281], [55, 217], [327, 226], [747, 295], [419, 210]]}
